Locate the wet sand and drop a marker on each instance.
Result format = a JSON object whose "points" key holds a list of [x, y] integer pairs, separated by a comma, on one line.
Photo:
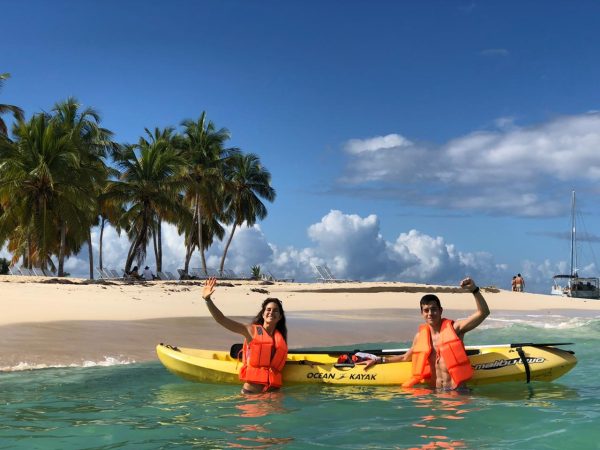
{"points": [[29, 345], [62, 322]]}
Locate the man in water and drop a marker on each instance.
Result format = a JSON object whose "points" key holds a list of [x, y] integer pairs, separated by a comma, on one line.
{"points": [[437, 353]]}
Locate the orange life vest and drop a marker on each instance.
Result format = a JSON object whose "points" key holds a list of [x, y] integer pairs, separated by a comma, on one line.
{"points": [[264, 358], [451, 349]]}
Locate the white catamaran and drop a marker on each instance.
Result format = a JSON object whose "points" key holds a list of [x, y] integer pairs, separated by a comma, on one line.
{"points": [[572, 285]]}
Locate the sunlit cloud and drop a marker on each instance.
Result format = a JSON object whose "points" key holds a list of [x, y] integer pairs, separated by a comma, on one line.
{"points": [[520, 171]]}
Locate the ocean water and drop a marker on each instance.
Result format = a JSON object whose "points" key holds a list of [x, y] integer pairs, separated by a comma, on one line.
{"points": [[142, 406]]}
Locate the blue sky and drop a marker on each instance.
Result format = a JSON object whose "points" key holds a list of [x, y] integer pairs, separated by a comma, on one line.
{"points": [[419, 141]]}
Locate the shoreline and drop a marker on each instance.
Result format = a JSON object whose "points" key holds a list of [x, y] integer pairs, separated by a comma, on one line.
{"points": [[27, 299], [57, 323]]}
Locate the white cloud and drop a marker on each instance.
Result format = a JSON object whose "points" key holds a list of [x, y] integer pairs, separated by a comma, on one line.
{"points": [[351, 245], [4, 253], [511, 170], [357, 146]]}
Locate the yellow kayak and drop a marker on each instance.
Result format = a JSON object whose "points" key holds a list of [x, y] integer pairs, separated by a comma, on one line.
{"points": [[491, 363]]}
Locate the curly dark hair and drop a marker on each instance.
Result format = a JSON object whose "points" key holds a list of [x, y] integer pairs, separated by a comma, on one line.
{"points": [[281, 326]]}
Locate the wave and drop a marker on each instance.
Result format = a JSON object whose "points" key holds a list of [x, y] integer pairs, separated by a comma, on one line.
{"points": [[106, 362], [548, 322]]}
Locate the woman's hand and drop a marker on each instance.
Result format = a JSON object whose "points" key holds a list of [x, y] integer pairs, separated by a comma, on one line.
{"points": [[209, 287]]}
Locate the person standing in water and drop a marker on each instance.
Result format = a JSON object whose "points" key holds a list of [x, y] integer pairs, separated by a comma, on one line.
{"points": [[265, 342], [519, 283], [437, 353]]}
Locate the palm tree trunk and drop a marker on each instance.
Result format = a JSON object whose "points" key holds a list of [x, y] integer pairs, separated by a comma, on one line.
{"points": [[189, 244], [188, 257], [131, 254], [61, 250], [160, 253], [227, 248], [90, 253], [200, 243], [100, 243], [155, 245], [27, 257], [158, 245]]}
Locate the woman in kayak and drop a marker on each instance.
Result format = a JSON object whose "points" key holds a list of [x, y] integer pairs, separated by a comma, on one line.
{"points": [[265, 342]]}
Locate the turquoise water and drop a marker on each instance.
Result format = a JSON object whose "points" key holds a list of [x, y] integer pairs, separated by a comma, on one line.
{"points": [[142, 406]]}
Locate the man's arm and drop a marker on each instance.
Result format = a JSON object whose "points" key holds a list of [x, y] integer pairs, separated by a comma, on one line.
{"points": [[389, 359], [473, 321]]}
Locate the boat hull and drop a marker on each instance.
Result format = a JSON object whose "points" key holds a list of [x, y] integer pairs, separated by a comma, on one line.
{"points": [[491, 365]]}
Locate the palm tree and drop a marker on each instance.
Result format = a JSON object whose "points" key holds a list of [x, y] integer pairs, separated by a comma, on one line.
{"points": [[166, 140], [247, 182], [82, 126], [211, 229], [16, 111], [206, 155], [149, 183], [42, 185]]}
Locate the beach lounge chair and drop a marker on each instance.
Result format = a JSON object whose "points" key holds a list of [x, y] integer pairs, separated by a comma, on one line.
{"points": [[329, 275], [332, 277], [26, 272], [229, 274], [162, 276], [14, 271], [196, 273], [36, 271], [170, 276], [47, 272], [274, 278], [326, 276], [321, 275], [115, 275], [212, 272], [100, 273]]}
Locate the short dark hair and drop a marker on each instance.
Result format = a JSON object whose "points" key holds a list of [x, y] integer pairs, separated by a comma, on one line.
{"points": [[430, 298]]}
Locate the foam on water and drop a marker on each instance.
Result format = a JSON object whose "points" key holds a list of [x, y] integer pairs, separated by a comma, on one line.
{"points": [[106, 362], [553, 321]]}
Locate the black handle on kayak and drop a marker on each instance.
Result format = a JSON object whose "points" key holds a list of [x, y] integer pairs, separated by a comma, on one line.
{"points": [[534, 344]]}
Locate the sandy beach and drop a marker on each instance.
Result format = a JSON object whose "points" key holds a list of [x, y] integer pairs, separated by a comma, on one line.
{"points": [[48, 321]]}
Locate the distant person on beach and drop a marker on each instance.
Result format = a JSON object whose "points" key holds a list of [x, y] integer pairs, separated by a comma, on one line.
{"points": [[437, 353], [514, 283], [148, 275], [265, 342], [519, 283], [133, 273]]}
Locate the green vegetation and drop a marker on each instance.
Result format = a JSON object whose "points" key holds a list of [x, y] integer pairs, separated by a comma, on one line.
{"points": [[255, 272], [61, 174], [4, 109]]}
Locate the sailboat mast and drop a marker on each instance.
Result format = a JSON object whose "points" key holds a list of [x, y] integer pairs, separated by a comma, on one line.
{"points": [[573, 232]]}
